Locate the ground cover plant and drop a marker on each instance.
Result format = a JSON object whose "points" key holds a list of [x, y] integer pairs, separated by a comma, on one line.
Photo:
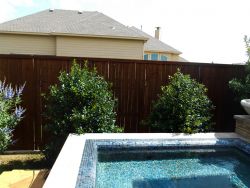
{"points": [[10, 112], [81, 103], [183, 106]]}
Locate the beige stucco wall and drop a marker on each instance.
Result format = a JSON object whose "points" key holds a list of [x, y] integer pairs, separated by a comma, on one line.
{"points": [[99, 47], [171, 57], [27, 44], [71, 46]]}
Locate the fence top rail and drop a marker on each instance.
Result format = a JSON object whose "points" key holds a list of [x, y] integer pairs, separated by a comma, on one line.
{"points": [[92, 59]]}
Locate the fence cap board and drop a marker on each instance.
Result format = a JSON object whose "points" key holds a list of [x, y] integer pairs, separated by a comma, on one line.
{"points": [[93, 59]]}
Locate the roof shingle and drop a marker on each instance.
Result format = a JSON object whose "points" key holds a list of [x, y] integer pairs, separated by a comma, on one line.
{"points": [[72, 23]]}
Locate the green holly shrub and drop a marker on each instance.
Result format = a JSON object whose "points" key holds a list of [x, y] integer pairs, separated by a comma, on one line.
{"points": [[183, 106], [81, 103], [241, 87]]}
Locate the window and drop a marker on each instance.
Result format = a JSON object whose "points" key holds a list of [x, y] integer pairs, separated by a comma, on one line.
{"points": [[164, 58], [146, 57], [154, 56]]}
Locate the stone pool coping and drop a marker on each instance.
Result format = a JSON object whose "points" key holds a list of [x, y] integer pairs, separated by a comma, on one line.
{"points": [[66, 168]]}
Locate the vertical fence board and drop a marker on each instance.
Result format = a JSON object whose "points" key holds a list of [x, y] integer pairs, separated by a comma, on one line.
{"points": [[18, 71]]}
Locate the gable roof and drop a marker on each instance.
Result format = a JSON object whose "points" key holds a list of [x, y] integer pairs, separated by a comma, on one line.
{"points": [[155, 45], [70, 22]]}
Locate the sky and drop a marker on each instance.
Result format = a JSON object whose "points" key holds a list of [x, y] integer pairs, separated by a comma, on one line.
{"points": [[203, 30]]}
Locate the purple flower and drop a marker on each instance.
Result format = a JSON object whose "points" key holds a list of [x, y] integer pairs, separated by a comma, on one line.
{"points": [[6, 130], [2, 86], [9, 93], [19, 112], [19, 90]]}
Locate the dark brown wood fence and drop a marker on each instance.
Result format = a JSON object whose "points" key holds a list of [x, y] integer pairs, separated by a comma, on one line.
{"points": [[135, 83]]}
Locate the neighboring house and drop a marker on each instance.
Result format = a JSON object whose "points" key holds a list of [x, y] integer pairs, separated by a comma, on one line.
{"points": [[80, 34], [154, 49], [70, 33]]}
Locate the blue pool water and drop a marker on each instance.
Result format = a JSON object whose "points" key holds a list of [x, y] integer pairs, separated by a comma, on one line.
{"points": [[141, 168]]}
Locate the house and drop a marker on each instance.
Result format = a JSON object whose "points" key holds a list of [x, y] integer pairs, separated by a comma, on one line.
{"points": [[154, 49], [74, 33], [70, 33]]}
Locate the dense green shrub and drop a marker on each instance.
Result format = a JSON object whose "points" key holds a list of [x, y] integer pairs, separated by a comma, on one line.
{"points": [[10, 112], [81, 103], [241, 87], [182, 107]]}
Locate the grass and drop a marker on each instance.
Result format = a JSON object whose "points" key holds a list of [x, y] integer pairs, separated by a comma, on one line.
{"points": [[23, 170], [9, 162]]}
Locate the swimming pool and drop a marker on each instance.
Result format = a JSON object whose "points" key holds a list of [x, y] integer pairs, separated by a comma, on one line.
{"points": [[207, 167], [160, 160]]}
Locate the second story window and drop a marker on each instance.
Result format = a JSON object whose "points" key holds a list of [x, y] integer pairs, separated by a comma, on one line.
{"points": [[146, 57], [164, 58], [154, 57]]}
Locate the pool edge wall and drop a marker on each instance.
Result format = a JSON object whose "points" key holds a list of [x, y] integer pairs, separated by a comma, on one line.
{"points": [[64, 172]]}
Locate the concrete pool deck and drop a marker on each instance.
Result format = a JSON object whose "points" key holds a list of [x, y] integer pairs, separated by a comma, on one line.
{"points": [[66, 168]]}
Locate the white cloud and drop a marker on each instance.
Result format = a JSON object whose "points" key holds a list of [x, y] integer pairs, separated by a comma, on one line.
{"points": [[21, 2], [10, 7], [76, 4], [6, 11]]}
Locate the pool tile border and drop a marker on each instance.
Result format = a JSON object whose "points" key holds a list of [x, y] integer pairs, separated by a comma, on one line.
{"points": [[87, 172]]}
